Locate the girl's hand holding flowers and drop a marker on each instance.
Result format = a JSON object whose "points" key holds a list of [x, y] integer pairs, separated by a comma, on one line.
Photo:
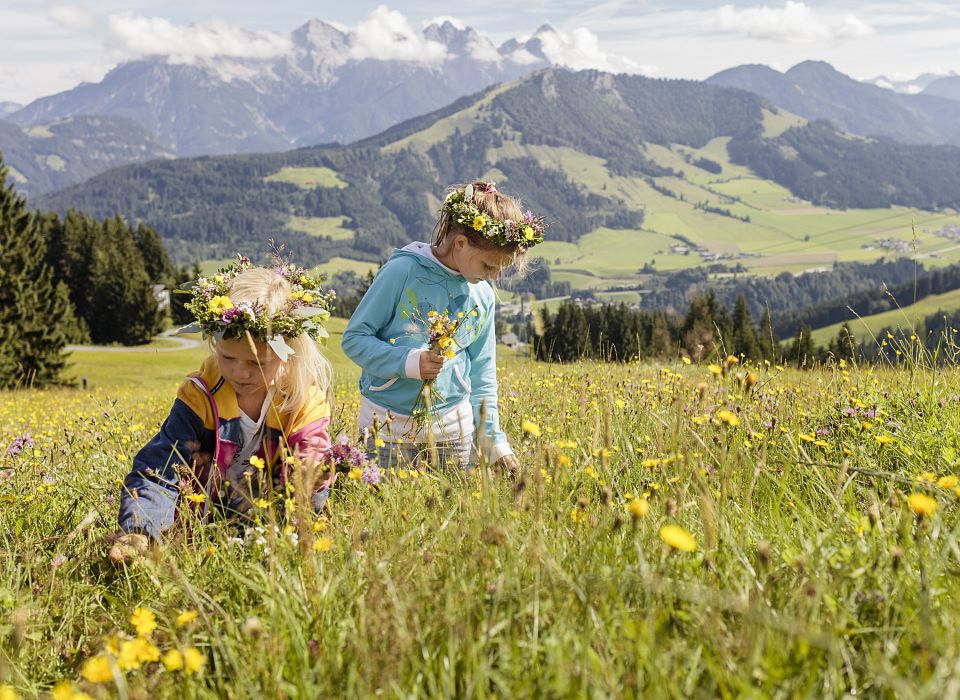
{"points": [[430, 364]]}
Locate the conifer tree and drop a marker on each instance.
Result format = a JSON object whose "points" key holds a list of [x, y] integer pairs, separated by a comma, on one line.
{"points": [[802, 350], [767, 346], [744, 342], [156, 261], [35, 311]]}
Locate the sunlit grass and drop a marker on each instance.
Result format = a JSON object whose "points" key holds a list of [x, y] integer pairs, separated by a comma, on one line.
{"points": [[678, 531]]}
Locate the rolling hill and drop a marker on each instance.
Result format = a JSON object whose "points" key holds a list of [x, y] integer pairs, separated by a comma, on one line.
{"points": [[815, 90], [51, 156], [635, 172]]}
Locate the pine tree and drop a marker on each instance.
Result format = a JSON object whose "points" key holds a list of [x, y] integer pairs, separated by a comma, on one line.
{"points": [[35, 311], [156, 261], [767, 346], [802, 349], [745, 342]]}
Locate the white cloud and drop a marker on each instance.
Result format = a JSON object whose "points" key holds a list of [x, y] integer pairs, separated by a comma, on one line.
{"points": [[440, 19], [523, 57], [387, 36], [482, 49], [156, 36], [73, 17], [579, 49], [794, 22]]}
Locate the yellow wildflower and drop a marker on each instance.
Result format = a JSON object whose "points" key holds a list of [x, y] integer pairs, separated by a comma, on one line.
{"points": [[528, 233], [638, 507], [531, 428], [715, 369], [257, 462], [883, 439], [186, 617], [143, 621], [97, 670], [193, 660], [728, 417], [196, 497], [173, 660], [678, 538], [922, 504], [947, 482], [355, 473], [220, 303], [322, 544], [686, 360], [7, 692], [479, 222]]}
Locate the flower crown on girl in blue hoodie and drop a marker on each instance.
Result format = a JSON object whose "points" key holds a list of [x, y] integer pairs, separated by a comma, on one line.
{"points": [[461, 209]]}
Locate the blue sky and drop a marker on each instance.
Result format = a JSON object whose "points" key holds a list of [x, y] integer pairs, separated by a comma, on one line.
{"points": [[52, 46]]}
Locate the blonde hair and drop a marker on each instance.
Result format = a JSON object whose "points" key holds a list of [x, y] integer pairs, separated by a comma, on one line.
{"points": [[489, 201], [307, 370]]}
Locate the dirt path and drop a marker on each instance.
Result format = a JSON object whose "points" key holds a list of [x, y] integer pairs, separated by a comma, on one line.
{"points": [[182, 344]]}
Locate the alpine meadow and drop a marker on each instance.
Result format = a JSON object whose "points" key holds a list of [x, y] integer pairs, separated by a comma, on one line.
{"points": [[697, 343]]}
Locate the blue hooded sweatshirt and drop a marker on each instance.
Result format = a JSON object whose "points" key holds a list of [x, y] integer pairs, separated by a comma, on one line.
{"points": [[388, 331]]}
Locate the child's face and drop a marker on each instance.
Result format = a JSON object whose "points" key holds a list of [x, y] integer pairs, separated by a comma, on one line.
{"points": [[477, 264], [248, 372]]}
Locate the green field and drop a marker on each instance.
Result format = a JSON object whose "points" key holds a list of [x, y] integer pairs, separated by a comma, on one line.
{"points": [[783, 234], [675, 533], [905, 318], [307, 178], [330, 226]]}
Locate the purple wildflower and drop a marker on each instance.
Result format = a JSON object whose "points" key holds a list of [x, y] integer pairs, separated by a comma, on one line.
{"points": [[371, 475], [20, 443]]}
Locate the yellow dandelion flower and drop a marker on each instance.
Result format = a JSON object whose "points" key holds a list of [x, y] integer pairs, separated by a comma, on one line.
{"points": [[186, 617], [638, 507], [947, 482], [678, 538], [143, 621], [922, 504], [322, 544], [355, 474], [193, 660], [531, 428], [97, 670], [173, 660], [564, 460], [728, 417], [319, 525], [196, 497], [715, 369], [883, 439]]}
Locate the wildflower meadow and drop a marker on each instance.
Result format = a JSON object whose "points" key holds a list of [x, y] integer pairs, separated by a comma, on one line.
{"points": [[716, 529]]}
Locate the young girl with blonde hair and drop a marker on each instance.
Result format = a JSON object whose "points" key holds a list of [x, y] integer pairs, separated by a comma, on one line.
{"points": [[423, 335], [257, 400]]}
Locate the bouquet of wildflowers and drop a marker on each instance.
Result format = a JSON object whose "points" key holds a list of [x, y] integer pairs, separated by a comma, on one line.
{"points": [[441, 330]]}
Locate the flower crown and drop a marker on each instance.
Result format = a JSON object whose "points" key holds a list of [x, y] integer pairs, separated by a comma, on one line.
{"points": [[460, 209], [305, 311]]}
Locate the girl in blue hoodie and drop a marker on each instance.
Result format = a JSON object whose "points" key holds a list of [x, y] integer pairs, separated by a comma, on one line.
{"points": [[479, 233]]}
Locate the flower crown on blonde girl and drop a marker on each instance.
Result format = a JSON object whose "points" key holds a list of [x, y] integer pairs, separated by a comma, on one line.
{"points": [[306, 309], [461, 209]]}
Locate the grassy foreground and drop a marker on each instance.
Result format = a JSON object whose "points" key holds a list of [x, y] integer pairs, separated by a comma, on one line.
{"points": [[679, 531]]}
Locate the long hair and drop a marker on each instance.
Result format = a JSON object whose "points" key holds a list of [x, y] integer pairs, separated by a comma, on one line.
{"points": [[307, 370]]}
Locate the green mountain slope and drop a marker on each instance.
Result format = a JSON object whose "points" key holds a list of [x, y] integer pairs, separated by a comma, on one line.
{"points": [[633, 171]]}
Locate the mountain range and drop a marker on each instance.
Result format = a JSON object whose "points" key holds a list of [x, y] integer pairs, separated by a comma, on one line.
{"points": [[816, 90], [321, 90], [643, 164]]}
